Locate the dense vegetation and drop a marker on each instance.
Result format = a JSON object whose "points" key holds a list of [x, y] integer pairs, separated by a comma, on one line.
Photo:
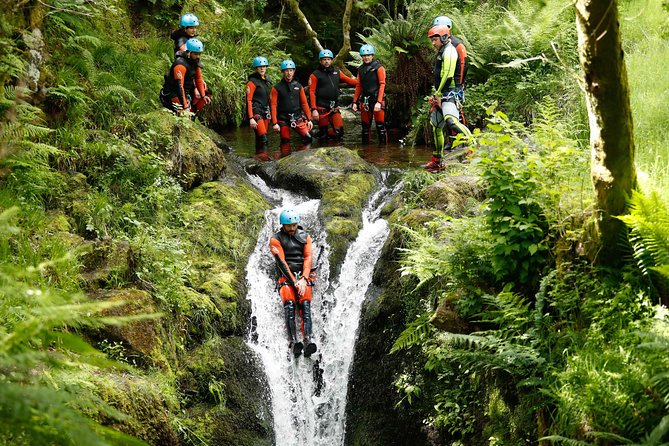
{"points": [[550, 346]]}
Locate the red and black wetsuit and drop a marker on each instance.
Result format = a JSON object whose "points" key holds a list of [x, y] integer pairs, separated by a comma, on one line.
{"points": [[258, 90], [180, 37], [293, 255], [184, 78], [324, 97], [370, 90], [289, 109]]}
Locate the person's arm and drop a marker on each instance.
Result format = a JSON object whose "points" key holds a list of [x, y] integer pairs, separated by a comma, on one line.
{"points": [[305, 104], [279, 256], [180, 74], [381, 74], [199, 82], [358, 92], [308, 258], [250, 91], [273, 99], [462, 54], [348, 80], [313, 83]]}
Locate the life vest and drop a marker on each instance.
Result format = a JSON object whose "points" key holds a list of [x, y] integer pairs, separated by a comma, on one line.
{"points": [[171, 87], [293, 248], [180, 37], [260, 101], [288, 100], [327, 88], [369, 80]]}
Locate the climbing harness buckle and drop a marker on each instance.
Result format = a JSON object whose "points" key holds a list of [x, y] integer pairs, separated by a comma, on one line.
{"points": [[365, 103], [332, 104]]}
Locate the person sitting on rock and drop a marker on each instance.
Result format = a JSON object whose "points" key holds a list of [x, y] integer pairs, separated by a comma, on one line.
{"points": [[324, 96], [257, 104], [289, 107], [184, 89], [369, 95], [292, 250], [187, 30]]}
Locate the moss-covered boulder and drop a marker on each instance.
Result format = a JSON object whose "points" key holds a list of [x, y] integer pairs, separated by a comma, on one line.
{"points": [[105, 262], [455, 195], [145, 403], [195, 158], [342, 180], [141, 340], [227, 396]]}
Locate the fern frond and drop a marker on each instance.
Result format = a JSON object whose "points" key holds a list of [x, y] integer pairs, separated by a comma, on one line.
{"points": [[415, 333]]}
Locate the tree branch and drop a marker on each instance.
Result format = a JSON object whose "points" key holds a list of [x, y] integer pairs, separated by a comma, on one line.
{"points": [[295, 7]]}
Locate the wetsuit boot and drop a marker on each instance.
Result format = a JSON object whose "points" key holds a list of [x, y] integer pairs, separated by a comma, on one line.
{"points": [[322, 133], [382, 132], [338, 134], [289, 315], [365, 134], [306, 320], [261, 148], [434, 165]]}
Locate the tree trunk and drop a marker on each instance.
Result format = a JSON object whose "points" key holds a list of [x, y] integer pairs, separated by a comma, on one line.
{"points": [[346, 41], [295, 7], [610, 116]]}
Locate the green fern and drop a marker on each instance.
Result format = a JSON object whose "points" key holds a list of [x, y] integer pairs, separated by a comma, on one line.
{"points": [[415, 334]]}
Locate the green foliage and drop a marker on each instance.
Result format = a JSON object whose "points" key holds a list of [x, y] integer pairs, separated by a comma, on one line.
{"points": [[533, 192], [37, 339], [648, 222]]}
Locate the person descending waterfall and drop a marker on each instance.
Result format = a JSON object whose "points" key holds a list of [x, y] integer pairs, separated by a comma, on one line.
{"points": [[324, 96], [187, 30], [447, 83], [291, 248], [289, 107], [369, 95], [184, 89], [257, 104], [462, 53]]}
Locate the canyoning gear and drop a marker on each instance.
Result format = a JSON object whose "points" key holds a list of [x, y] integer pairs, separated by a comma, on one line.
{"points": [[382, 133], [258, 90], [441, 31], [289, 317], [194, 45], [443, 20], [366, 50], [287, 64], [305, 312], [369, 92], [325, 53], [260, 62], [180, 37], [182, 83], [290, 216], [288, 101], [189, 20], [310, 348], [435, 165], [324, 98]]}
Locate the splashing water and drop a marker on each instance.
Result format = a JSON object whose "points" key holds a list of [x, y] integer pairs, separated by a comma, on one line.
{"points": [[309, 394]]}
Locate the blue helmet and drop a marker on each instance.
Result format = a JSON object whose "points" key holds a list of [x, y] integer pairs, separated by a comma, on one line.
{"points": [[366, 49], [194, 45], [287, 64], [260, 62], [443, 20], [325, 53], [289, 217], [189, 20]]}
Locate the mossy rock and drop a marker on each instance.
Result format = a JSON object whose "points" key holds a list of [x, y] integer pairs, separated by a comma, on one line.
{"points": [[105, 263], [455, 195], [143, 401], [446, 316], [342, 180], [142, 339], [194, 157], [223, 218], [227, 396]]}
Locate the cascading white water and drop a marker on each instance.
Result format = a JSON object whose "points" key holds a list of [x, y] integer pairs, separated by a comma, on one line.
{"points": [[309, 394]]}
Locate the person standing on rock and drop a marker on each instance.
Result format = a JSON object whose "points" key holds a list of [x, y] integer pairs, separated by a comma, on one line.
{"points": [[289, 107], [369, 95], [444, 111], [184, 89], [463, 67], [292, 250], [187, 30], [258, 90], [324, 96]]}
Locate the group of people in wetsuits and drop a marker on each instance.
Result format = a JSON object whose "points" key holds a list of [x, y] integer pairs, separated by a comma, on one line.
{"points": [[286, 105]]}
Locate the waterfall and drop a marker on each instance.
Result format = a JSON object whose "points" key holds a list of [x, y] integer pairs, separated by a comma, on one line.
{"points": [[309, 394]]}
